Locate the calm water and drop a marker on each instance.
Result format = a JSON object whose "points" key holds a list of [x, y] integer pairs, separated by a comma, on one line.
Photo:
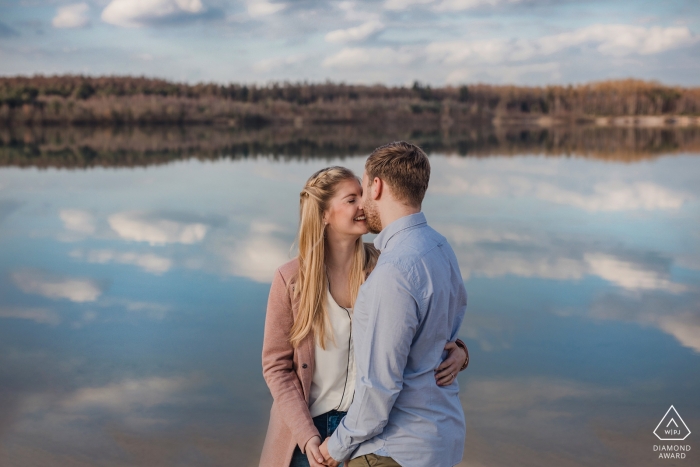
{"points": [[132, 303]]}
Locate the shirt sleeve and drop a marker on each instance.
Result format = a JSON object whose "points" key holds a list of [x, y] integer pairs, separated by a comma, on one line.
{"points": [[382, 346]]}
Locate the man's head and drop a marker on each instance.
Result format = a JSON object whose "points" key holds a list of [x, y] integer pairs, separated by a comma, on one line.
{"points": [[394, 183]]}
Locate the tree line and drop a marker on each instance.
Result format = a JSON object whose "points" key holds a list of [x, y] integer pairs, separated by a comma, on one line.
{"points": [[76, 99]]}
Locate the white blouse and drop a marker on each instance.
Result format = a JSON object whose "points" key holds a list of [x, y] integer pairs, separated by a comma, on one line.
{"points": [[333, 383]]}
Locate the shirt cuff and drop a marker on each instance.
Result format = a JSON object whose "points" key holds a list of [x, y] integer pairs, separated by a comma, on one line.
{"points": [[335, 447]]}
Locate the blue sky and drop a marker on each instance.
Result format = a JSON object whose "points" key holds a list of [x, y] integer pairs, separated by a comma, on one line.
{"points": [[391, 41]]}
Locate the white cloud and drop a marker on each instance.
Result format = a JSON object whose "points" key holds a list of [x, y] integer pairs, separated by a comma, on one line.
{"points": [[355, 11], [457, 5], [38, 315], [682, 322], [534, 263], [510, 56], [468, 235], [607, 39], [404, 4], [628, 275], [55, 286], [446, 5], [128, 395], [258, 8], [77, 221], [615, 196], [606, 196], [357, 57], [493, 253], [146, 261], [685, 328], [135, 13], [270, 64], [452, 184], [521, 255], [357, 33], [152, 310], [498, 395], [71, 16], [620, 39], [256, 255], [452, 52], [138, 226], [505, 73]]}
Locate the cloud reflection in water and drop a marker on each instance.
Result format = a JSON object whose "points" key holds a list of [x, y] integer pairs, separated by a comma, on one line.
{"points": [[56, 286], [558, 255], [141, 227]]}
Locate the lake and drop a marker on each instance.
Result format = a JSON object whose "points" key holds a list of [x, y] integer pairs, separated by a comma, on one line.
{"points": [[135, 267]]}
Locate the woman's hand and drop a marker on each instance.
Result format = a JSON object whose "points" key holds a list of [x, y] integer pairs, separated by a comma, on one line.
{"points": [[448, 369], [329, 461], [313, 453]]}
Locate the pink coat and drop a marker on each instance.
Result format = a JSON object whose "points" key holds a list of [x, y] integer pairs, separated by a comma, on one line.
{"points": [[288, 373]]}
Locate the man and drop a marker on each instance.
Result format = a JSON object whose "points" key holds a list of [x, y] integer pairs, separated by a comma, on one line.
{"points": [[412, 304]]}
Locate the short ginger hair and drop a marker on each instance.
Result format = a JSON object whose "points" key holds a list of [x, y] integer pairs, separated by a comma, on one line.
{"points": [[404, 167]]}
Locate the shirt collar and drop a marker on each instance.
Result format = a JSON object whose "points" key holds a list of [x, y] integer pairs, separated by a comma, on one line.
{"points": [[400, 224]]}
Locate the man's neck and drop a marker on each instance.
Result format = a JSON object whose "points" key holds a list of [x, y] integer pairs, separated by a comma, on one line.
{"points": [[397, 212]]}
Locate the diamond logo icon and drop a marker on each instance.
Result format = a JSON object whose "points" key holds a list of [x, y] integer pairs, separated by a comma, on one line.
{"points": [[672, 427]]}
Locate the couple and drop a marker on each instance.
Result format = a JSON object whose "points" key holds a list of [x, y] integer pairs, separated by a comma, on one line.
{"points": [[362, 366]]}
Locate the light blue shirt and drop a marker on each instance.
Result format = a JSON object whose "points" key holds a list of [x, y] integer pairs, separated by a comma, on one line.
{"points": [[412, 304]]}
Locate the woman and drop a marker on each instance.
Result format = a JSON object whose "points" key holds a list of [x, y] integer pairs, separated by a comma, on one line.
{"points": [[308, 359]]}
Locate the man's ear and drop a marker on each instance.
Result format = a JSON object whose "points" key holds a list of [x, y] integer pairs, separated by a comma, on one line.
{"points": [[377, 188]]}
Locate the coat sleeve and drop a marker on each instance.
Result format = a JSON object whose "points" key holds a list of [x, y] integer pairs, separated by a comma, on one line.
{"points": [[278, 364]]}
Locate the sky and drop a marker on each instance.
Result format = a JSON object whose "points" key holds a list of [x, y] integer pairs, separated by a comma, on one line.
{"points": [[394, 42]]}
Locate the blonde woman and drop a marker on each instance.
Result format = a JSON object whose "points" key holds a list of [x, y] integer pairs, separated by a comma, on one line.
{"points": [[308, 359]]}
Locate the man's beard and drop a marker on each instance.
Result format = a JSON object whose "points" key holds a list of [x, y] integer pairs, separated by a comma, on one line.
{"points": [[374, 222]]}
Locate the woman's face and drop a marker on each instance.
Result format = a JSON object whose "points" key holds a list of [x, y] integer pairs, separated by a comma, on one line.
{"points": [[344, 215]]}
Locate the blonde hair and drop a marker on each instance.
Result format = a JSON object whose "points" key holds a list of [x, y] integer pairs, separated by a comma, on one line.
{"points": [[311, 284]]}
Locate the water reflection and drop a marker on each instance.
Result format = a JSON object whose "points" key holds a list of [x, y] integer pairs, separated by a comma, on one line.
{"points": [[132, 304], [125, 146]]}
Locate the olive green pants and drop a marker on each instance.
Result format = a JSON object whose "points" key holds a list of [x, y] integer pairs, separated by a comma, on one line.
{"points": [[373, 460]]}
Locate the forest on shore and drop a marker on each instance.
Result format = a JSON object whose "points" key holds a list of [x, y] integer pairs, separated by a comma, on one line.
{"points": [[114, 100]]}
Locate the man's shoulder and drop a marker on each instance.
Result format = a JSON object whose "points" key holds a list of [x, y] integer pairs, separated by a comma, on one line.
{"points": [[413, 248], [417, 243]]}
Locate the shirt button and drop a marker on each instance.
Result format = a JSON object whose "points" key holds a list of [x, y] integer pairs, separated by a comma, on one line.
{"points": [[304, 365]]}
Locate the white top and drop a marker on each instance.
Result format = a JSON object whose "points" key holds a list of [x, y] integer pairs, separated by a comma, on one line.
{"points": [[333, 383]]}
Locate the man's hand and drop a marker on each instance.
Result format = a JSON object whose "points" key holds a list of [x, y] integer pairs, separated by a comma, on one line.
{"points": [[329, 461], [313, 453], [447, 371]]}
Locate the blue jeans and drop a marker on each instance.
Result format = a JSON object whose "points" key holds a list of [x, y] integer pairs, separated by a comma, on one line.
{"points": [[325, 424]]}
